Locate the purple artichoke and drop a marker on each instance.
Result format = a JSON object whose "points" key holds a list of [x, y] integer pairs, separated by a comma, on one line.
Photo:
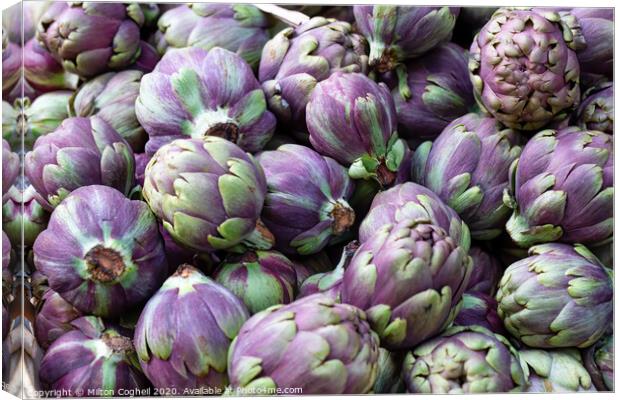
{"points": [[306, 205], [559, 296], [11, 66], [479, 309], [112, 97], [562, 188], [599, 361], [524, 69], [22, 214], [410, 201], [353, 120], [206, 94], [314, 345], [80, 152], [42, 72], [101, 251], [396, 34], [239, 28], [465, 360], [485, 272], [261, 279], [467, 166], [92, 358], [409, 278], [141, 160], [10, 168], [208, 193], [596, 111], [440, 92], [53, 319], [556, 371], [296, 59], [184, 331], [91, 38]]}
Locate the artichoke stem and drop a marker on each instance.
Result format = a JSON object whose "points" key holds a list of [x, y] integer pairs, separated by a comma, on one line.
{"points": [[385, 176], [118, 344], [343, 216], [185, 270], [225, 130], [261, 238], [104, 265]]}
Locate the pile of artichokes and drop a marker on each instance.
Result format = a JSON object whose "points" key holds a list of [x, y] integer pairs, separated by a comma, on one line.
{"points": [[208, 199]]}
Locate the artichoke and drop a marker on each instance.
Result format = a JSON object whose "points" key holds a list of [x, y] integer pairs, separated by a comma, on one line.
{"points": [[562, 188], [26, 120], [440, 92], [43, 72], [101, 251], [556, 371], [206, 94], [479, 309], [465, 360], [22, 214], [467, 166], [409, 278], [208, 193], [410, 201], [239, 28], [53, 319], [80, 152], [524, 68], [599, 361], [10, 168], [559, 296], [389, 377], [314, 345], [353, 120], [261, 279], [396, 34], [596, 111], [11, 66], [184, 332], [141, 160], [306, 205], [111, 97], [91, 38], [485, 272], [296, 59], [93, 357]]}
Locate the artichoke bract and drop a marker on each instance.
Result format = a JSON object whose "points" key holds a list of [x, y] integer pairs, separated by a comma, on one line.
{"points": [[80, 152], [22, 214], [562, 188], [352, 119], [399, 33], [317, 346], [11, 66], [53, 319], [440, 92], [479, 309], [524, 68], [239, 28], [467, 166], [184, 332], [306, 205], [141, 161], [559, 296], [389, 378], [410, 201], [112, 97], [43, 72], [465, 360], [10, 168], [210, 93], [596, 111], [92, 38], [208, 193], [261, 279], [556, 371], [95, 357], [101, 251], [28, 120], [599, 361], [485, 272], [296, 59], [595, 26], [409, 278]]}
